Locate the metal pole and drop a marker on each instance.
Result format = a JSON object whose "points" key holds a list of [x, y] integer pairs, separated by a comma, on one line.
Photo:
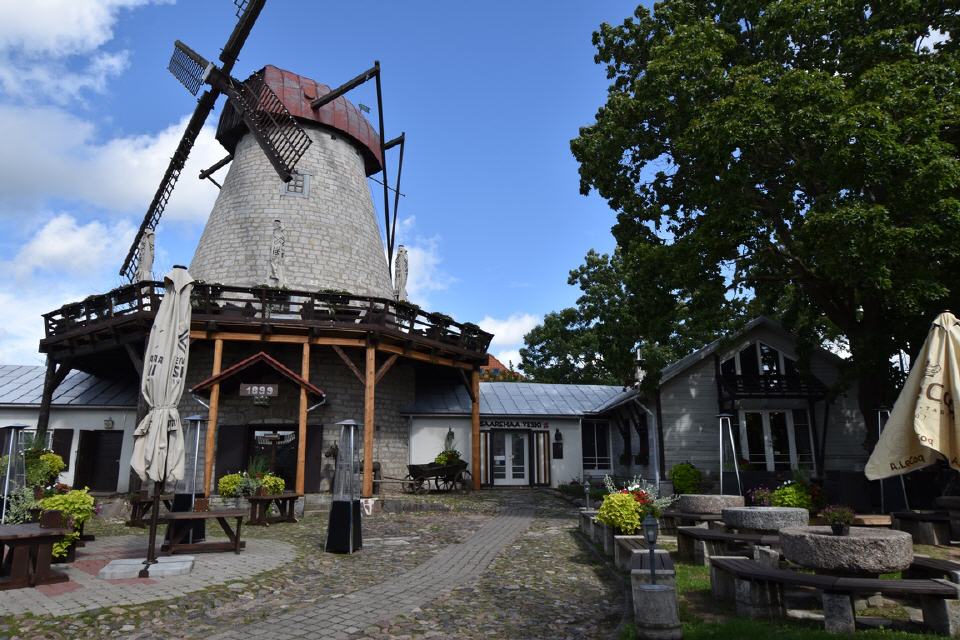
{"points": [[653, 569], [154, 517], [733, 452], [6, 483], [883, 501], [721, 455]]}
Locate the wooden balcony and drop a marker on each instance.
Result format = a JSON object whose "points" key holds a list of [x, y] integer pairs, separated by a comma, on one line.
{"points": [[771, 386], [124, 316]]}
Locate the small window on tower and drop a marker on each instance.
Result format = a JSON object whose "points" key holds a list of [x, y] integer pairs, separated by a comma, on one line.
{"points": [[298, 186]]}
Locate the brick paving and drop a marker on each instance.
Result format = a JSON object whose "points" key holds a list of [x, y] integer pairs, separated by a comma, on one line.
{"points": [[85, 591], [451, 568]]}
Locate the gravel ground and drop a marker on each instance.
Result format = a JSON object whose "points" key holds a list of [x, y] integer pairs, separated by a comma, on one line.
{"points": [[548, 583]]}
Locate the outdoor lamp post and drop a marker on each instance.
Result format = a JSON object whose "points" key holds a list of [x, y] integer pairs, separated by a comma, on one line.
{"points": [[650, 531], [586, 495]]}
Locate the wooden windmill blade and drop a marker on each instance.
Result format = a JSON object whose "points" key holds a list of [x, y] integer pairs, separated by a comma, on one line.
{"points": [[184, 68]]}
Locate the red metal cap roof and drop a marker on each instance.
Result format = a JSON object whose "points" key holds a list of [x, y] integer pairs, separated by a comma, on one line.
{"points": [[296, 92]]}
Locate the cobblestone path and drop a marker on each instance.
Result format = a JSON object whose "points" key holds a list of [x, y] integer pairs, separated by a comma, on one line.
{"points": [[452, 567]]}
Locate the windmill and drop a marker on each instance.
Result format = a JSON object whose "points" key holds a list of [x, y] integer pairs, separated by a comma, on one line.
{"points": [[279, 136]]}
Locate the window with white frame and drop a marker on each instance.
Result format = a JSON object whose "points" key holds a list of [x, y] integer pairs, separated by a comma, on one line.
{"points": [[776, 439], [759, 359], [595, 440]]}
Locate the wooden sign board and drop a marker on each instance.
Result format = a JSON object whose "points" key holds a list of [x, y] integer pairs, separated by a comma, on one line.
{"points": [[269, 389]]}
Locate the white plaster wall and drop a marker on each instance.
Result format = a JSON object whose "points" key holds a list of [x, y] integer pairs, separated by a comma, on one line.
{"points": [[571, 467], [81, 419]]}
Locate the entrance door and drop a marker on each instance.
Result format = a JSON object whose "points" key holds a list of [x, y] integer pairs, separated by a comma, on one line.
{"points": [[509, 456], [98, 460]]}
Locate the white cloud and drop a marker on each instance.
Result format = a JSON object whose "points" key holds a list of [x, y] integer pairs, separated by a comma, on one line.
{"points": [[41, 41], [64, 245], [49, 153], [22, 326], [509, 356], [509, 331]]}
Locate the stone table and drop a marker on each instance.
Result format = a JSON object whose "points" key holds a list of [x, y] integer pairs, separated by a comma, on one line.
{"points": [[705, 503], [764, 519], [867, 551]]}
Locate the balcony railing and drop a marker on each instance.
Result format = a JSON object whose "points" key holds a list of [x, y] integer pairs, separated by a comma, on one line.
{"points": [[775, 385], [267, 307]]}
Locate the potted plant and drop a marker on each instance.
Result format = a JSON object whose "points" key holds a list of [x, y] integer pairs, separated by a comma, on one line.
{"points": [[76, 506], [839, 518]]}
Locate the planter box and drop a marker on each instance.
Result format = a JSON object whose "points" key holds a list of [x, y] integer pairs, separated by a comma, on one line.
{"points": [[586, 522], [609, 546], [625, 547]]}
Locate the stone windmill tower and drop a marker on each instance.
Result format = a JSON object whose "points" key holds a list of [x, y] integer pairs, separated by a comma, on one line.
{"points": [[316, 232]]}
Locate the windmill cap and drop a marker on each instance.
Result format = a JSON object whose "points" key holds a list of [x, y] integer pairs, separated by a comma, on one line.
{"points": [[296, 92]]}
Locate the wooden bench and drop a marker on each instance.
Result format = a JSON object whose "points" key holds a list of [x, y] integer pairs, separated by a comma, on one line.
{"points": [[697, 544], [175, 535], [674, 519], [926, 527], [140, 506], [27, 552], [663, 567], [259, 505], [625, 548], [923, 567], [757, 591]]}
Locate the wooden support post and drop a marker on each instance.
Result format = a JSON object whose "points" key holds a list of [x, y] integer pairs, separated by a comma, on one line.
{"points": [[211, 444], [369, 412], [51, 380], [302, 432], [475, 428]]}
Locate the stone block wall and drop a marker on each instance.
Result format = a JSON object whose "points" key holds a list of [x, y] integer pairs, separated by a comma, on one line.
{"points": [[332, 236], [344, 399]]}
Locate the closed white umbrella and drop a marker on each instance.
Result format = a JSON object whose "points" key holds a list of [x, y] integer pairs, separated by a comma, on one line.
{"points": [[158, 440], [923, 426]]}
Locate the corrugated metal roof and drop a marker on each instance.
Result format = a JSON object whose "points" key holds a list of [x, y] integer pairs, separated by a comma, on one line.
{"points": [[23, 385], [515, 399]]}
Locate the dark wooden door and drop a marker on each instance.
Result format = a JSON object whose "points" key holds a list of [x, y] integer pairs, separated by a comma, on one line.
{"points": [[98, 460]]}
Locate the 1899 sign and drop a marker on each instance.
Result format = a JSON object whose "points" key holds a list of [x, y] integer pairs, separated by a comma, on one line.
{"points": [[248, 389]]}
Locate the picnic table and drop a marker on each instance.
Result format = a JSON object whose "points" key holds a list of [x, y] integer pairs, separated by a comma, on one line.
{"points": [[175, 535], [259, 505], [140, 506], [27, 551]]}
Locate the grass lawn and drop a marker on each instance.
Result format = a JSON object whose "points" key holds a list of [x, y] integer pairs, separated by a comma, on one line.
{"points": [[705, 619]]}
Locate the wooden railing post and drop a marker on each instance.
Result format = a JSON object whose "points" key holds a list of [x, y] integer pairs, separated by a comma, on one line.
{"points": [[302, 425], [211, 443]]}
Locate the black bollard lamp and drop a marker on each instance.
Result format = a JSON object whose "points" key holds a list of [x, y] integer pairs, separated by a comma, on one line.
{"points": [[650, 530]]}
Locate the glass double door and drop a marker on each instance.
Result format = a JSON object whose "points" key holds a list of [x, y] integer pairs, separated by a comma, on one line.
{"points": [[508, 451]]}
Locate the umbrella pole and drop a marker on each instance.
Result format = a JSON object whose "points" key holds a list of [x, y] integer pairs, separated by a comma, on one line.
{"points": [[154, 517]]}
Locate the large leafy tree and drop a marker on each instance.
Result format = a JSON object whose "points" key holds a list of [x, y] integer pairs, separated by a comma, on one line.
{"points": [[797, 155]]}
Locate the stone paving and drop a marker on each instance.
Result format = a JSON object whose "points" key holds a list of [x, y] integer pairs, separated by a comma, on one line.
{"points": [[464, 572], [85, 591]]}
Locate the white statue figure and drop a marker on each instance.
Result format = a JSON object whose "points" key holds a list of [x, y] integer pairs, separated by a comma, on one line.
{"points": [[400, 267], [277, 252], [145, 266]]}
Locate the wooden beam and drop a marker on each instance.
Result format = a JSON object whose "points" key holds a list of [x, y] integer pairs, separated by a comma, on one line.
{"points": [[135, 358], [385, 367], [467, 384], [369, 414], [237, 336], [423, 357], [347, 361], [475, 428], [302, 432], [211, 443], [52, 378]]}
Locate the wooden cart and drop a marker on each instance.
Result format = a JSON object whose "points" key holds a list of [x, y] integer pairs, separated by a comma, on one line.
{"points": [[445, 477]]}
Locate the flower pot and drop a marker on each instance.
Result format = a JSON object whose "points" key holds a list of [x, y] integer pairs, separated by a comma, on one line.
{"points": [[840, 529]]}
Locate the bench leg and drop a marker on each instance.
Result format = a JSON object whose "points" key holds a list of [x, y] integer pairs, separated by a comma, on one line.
{"points": [[722, 583], [838, 614], [941, 616], [767, 557], [758, 599], [685, 547], [706, 549]]}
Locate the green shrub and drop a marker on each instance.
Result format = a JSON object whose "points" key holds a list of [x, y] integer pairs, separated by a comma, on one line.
{"points": [[43, 468], [448, 456], [686, 478], [76, 506], [791, 494], [619, 511], [273, 484], [229, 485], [19, 506]]}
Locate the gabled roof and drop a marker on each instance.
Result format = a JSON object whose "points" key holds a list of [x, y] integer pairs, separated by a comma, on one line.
{"points": [[22, 385], [515, 399], [260, 359], [674, 369]]}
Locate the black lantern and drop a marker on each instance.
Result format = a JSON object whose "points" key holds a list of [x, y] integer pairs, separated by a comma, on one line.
{"points": [[650, 530]]}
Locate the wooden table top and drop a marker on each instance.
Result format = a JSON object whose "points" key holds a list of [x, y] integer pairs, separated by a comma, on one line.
{"points": [[203, 515], [27, 531], [275, 496]]}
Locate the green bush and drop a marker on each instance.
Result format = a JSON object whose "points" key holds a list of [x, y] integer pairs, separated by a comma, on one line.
{"points": [[791, 494], [273, 484], [21, 502], [619, 512], [43, 468], [449, 456], [77, 506], [686, 478], [229, 485]]}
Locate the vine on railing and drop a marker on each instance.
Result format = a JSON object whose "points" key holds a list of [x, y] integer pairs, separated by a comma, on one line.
{"points": [[257, 305]]}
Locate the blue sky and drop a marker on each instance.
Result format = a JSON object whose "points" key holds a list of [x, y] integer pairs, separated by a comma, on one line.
{"points": [[489, 95]]}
